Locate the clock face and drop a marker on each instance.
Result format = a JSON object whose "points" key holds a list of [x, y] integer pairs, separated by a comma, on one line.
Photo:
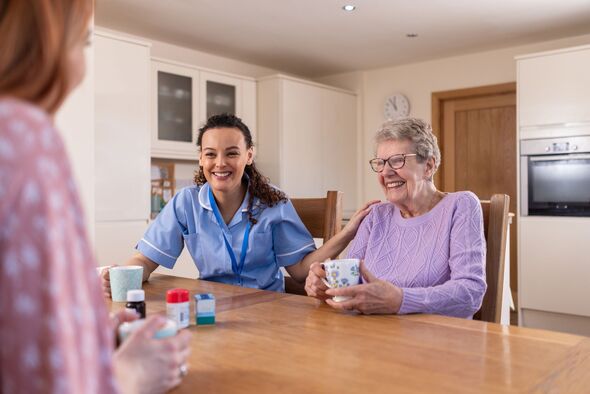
{"points": [[396, 106]]}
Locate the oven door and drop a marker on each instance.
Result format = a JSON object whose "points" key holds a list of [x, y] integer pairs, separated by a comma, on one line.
{"points": [[557, 185]]}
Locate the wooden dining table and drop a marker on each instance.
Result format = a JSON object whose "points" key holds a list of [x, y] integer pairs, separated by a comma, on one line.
{"points": [[268, 342]]}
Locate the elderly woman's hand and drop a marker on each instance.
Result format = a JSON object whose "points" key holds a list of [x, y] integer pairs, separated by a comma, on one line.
{"points": [[314, 285], [355, 220], [373, 297]]}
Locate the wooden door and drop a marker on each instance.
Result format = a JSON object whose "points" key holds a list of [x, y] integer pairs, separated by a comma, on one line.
{"points": [[477, 135]]}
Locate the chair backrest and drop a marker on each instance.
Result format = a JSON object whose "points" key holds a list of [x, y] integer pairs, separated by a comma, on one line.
{"points": [[496, 221], [323, 218]]}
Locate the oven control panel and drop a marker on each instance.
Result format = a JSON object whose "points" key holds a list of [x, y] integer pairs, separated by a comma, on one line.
{"points": [[565, 145]]}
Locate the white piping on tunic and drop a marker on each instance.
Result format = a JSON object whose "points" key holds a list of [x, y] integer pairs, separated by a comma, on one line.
{"points": [[298, 250], [164, 253]]}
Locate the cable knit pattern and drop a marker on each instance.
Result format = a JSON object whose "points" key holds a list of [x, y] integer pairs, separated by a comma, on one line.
{"points": [[438, 259]]}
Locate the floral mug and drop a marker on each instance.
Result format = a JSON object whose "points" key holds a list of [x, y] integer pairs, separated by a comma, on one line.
{"points": [[342, 273]]}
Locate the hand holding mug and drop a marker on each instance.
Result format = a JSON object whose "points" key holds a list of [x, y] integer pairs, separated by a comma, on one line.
{"points": [[105, 280], [315, 284], [375, 296]]}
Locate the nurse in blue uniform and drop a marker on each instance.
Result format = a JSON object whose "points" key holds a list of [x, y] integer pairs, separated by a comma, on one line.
{"points": [[238, 228]]}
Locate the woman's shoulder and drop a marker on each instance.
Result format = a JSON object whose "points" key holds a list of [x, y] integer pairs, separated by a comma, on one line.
{"points": [[17, 118], [189, 193], [464, 197], [13, 107], [463, 200], [28, 140], [380, 212]]}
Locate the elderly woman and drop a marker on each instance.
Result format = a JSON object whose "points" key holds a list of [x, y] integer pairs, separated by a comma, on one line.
{"points": [[423, 250]]}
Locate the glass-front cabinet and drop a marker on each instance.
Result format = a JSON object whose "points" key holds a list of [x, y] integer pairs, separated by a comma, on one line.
{"points": [[175, 111], [185, 97], [219, 94]]}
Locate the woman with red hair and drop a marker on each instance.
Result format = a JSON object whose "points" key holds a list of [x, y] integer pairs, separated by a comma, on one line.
{"points": [[54, 328]]}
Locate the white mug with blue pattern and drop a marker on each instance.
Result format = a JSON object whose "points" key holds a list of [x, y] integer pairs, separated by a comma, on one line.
{"points": [[342, 273]]}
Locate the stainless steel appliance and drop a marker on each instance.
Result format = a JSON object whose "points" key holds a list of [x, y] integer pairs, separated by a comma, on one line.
{"points": [[555, 176]]}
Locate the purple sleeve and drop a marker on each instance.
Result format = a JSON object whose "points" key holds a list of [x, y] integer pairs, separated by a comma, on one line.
{"points": [[358, 246], [461, 296]]}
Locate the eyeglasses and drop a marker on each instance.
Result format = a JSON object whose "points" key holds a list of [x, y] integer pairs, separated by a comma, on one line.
{"points": [[395, 162]]}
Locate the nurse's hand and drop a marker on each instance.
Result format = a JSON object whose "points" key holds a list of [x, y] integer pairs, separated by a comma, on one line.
{"points": [[375, 296], [105, 281], [355, 221], [314, 286]]}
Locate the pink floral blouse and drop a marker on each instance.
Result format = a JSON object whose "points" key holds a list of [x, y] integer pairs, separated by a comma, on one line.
{"points": [[55, 335]]}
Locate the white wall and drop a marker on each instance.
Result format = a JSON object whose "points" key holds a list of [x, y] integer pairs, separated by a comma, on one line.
{"points": [[197, 58], [419, 80]]}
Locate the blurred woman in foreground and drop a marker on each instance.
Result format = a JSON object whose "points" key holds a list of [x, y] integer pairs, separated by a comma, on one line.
{"points": [[54, 329]]}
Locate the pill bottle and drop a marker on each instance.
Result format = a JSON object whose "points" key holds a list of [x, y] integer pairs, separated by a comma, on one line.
{"points": [[136, 301], [177, 307]]}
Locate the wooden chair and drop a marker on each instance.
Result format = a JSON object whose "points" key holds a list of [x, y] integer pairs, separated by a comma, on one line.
{"points": [[496, 221], [323, 219]]}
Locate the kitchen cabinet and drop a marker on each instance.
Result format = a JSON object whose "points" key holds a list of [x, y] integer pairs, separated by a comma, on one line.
{"points": [[553, 91], [122, 145], [175, 110], [184, 96], [307, 138], [553, 87]]}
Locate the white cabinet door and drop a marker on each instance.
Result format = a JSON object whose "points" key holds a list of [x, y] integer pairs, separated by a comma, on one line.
{"points": [[248, 112], [122, 130], [115, 241], [175, 111], [302, 154], [75, 122], [340, 144], [553, 88], [308, 138], [554, 277]]}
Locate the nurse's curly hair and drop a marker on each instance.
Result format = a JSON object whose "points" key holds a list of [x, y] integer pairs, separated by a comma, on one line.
{"points": [[259, 185]]}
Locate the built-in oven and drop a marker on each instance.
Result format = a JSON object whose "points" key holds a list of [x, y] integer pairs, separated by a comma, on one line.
{"points": [[555, 176]]}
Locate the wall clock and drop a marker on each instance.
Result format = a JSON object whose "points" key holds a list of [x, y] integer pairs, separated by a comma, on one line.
{"points": [[397, 106]]}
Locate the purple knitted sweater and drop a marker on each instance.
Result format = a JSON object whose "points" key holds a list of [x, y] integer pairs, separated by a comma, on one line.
{"points": [[437, 259]]}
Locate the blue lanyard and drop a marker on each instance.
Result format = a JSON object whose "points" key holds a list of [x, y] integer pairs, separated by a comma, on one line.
{"points": [[236, 268]]}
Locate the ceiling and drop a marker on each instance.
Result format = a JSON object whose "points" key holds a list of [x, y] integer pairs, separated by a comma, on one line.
{"points": [[313, 38]]}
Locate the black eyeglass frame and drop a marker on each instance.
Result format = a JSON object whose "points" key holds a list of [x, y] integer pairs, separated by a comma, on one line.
{"points": [[381, 162]]}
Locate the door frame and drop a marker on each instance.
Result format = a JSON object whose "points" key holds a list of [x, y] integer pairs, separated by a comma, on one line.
{"points": [[438, 100]]}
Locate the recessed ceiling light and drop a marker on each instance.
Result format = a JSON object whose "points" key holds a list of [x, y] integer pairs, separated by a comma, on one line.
{"points": [[412, 35], [349, 7]]}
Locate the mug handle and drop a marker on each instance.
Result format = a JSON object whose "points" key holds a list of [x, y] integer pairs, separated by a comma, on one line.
{"points": [[324, 279]]}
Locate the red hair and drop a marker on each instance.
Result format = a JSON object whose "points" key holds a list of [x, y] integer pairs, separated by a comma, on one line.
{"points": [[37, 36]]}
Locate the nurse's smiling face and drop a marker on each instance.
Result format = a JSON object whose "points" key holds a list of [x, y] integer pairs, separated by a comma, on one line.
{"points": [[224, 155]]}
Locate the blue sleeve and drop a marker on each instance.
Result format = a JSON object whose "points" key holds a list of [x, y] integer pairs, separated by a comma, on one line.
{"points": [[291, 240], [163, 241]]}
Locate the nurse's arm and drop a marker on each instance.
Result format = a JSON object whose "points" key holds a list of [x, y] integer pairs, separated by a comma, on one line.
{"points": [[148, 265], [329, 250], [333, 247]]}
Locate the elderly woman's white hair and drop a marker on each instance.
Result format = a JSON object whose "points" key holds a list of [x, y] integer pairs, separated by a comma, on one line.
{"points": [[415, 130]]}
